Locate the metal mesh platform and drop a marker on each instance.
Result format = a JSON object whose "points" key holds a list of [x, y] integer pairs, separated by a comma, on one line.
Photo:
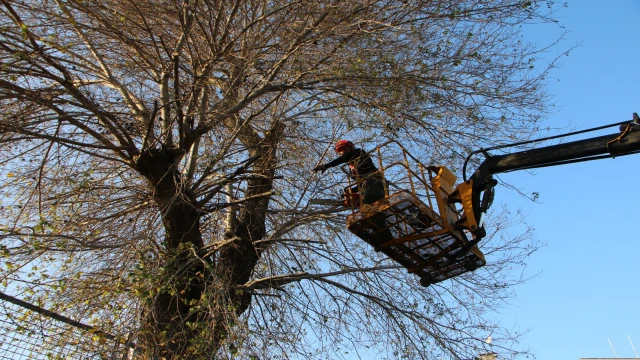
{"points": [[25, 334], [411, 233]]}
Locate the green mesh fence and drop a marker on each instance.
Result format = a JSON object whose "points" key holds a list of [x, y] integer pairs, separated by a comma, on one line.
{"points": [[30, 332]]}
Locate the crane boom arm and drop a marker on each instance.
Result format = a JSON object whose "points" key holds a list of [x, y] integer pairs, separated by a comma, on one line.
{"points": [[582, 150], [476, 194]]}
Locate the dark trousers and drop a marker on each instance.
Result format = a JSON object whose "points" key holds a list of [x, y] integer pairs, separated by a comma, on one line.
{"points": [[372, 187]]}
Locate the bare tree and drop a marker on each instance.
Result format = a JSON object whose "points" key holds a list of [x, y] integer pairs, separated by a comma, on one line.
{"points": [[156, 155]]}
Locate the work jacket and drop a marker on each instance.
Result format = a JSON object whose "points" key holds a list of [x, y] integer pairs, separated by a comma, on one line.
{"points": [[359, 161]]}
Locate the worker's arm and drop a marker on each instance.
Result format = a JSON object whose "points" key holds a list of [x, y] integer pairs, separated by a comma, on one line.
{"points": [[344, 158]]}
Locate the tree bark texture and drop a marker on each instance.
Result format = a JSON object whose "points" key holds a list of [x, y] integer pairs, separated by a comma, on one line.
{"points": [[179, 311]]}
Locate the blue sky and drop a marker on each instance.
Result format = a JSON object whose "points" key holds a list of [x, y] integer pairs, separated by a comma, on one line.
{"points": [[588, 289]]}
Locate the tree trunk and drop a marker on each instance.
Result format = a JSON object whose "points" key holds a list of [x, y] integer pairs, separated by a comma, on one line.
{"points": [[190, 301], [172, 318], [237, 259]]}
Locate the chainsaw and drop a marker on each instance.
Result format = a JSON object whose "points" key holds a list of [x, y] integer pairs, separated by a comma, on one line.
{"points": [[353, 200]]}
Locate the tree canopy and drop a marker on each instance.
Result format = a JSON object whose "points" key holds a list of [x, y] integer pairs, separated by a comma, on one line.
{"points": [[156, 160]]}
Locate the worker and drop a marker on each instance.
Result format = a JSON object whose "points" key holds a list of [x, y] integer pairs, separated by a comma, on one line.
{"points": [[362, 170], [371, 184]]}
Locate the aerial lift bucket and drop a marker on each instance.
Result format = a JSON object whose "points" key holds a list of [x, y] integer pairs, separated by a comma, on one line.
{"points": [[426, 242]]}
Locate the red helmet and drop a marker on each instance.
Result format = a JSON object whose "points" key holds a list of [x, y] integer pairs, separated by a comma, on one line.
{"points": [[344, 145]]}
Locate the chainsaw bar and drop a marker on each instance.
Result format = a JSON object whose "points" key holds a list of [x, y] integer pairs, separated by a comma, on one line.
{"points": [[332, 202]]}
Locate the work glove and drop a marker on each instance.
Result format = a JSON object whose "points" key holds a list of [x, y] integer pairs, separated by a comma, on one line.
{"points": [[319, 168]]}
